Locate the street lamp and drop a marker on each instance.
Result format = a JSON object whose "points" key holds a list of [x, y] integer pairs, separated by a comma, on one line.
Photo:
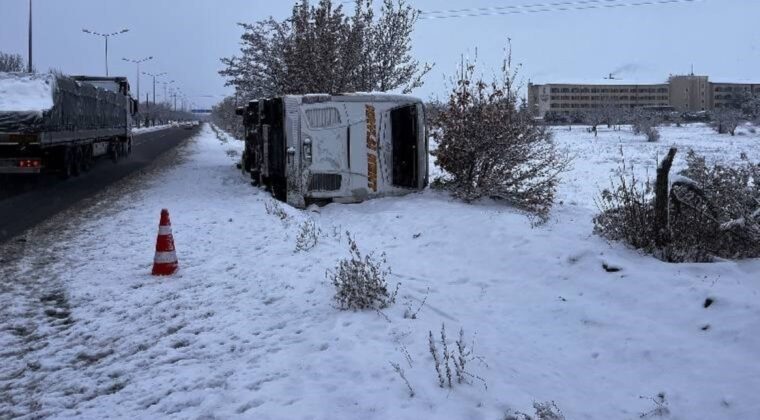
{"points": [[174, 93], [154, 83], [166, 99], [105, 36], [138, 71]]}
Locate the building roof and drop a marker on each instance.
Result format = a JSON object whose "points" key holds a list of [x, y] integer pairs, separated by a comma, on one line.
{"points": [[601, 82], [735, 81]]}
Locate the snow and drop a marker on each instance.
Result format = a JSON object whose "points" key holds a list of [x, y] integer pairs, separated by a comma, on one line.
{"points": [[597, 161], [604, 81], [247, 329], [23, 92], [142, 130]]}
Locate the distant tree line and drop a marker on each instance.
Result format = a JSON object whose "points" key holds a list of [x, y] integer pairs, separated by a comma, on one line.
{"points": [[11, 62], [150, 114], [223, 116]]}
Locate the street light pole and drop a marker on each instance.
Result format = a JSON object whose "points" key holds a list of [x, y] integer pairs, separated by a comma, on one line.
{"points": [[30, 37], [154, 83], [138, 71], [106, 36], [166, 100]]}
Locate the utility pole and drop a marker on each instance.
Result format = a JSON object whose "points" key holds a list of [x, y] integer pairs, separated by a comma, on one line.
{"points": [[106, 36], [138, 70], [154, 83], [30, 38]]}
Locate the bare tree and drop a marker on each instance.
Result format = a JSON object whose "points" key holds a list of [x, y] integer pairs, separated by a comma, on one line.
{"points": [[726, 120], [646, 122]]}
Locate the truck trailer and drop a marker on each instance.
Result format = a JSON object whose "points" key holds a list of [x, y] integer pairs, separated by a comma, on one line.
{"points": [[56, 123], [316, 149]]}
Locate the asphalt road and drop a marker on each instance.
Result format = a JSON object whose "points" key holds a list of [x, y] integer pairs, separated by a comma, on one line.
{"points": [[26, 202]]}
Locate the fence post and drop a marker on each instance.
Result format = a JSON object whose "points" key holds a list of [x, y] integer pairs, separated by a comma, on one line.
{"points": [[661, 201]]}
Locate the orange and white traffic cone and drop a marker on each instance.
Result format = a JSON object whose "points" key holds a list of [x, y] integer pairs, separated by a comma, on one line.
{"points": [[165, 262]]}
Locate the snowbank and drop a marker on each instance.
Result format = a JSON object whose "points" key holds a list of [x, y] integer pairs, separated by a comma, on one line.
{"points": [[142, 130], [247, 329], [23, 92]]}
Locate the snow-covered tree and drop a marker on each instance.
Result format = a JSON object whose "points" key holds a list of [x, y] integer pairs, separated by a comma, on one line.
{"points": [[395, 67], [11, 62], [320, 49], [749, 104]]}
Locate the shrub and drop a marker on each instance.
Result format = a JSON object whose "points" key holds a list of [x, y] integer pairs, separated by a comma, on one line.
{"points": [[725, 121], [459, 358], [360, 281], [626, 211], [715, 210], [490, 148], [712, 211], [274, 208], [646, 123], [544, 411], [308, 236]]}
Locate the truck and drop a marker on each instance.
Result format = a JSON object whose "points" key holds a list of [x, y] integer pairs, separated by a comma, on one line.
{"points": [[61, 124], [319, 148]]}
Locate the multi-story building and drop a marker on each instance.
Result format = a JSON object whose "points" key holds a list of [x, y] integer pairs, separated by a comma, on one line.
{"points": [[724, 94], [688, 93]]}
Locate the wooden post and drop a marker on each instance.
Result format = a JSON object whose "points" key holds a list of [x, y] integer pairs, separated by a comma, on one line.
{"points": [[661, 201]]}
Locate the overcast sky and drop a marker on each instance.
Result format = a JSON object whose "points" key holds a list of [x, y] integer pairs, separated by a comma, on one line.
{"points": [[719, 37]]}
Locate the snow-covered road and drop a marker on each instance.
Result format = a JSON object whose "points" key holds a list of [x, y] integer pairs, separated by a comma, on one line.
{"points": [[248, 329]]}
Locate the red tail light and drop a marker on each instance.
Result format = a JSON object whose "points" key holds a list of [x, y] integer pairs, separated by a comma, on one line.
{"points": [[29, 163]]}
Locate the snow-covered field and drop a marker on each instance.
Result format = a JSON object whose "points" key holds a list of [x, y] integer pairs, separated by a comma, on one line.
{"points": [[247, 328]]}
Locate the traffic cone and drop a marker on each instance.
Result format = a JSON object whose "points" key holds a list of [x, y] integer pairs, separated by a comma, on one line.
{"points": [[165, 262]]}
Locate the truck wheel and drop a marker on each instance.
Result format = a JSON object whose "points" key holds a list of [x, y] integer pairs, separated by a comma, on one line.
{"points": [[77, 164], [88, 161], [114, 152], [67, 156]]}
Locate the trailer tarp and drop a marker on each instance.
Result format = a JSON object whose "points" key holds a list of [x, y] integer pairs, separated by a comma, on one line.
{"points": [[49, 103]]}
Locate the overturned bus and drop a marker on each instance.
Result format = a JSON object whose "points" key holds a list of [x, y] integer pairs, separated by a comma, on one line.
{"points": [[316, 149]]}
